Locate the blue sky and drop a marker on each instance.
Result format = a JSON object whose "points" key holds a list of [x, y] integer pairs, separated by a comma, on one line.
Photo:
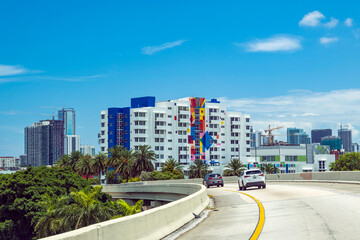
{"points": [[285, 62]]}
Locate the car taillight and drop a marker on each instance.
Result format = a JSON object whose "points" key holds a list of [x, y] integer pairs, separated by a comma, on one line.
{"points": [[247, 176], [210, 178], [220, 177], [261, 175]]}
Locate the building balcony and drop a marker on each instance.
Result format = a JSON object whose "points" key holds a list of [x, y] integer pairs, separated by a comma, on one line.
{"points": [[184, 120], [236, 130], [160, 127], [182, 112]]}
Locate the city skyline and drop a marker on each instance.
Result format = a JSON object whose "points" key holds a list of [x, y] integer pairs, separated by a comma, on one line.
{"points": [[294, 66]]}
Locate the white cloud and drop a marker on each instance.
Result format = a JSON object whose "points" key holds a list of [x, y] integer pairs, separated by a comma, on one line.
{"points": [[356, 33], [333, 23], [9, 70], [308, 110], [348, 22], [153, 49], [312, 19], [273, 44], [327, 40]]}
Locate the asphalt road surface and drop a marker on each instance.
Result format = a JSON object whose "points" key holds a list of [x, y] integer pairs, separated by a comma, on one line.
{"points": [[292, 211]]}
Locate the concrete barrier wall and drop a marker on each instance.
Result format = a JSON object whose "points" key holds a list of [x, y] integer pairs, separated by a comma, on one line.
{"points": [[353, 176], [154, 224]]}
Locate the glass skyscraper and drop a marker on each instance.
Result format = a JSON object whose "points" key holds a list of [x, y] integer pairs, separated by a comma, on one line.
{"points": [[297, 136], [68, 116]]}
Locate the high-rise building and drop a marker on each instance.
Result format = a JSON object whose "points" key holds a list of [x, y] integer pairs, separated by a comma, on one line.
{"points": [[44, 142], [317, 134], [71, 144], [355, 147], [332, 141], [255, 138], [297, 136], [67, 115], [23, 161], [87, 149], [184, 129], [346, 138]]}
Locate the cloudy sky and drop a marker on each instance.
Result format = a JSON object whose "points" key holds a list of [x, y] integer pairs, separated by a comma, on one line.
{"points": [[287, 63]]}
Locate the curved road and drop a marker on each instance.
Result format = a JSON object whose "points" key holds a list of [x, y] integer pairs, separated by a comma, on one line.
{"points": [[292, 211]]}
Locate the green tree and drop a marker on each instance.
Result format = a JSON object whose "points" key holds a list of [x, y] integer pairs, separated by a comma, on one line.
{"points": [[143, 160], [86, 208], [98, 164], [52, 222], [269, 168], [84, 166], [172, 165], [7, 230], [21, 192], [115, 155], [74, 159], [110, 177], [198, 169], [64, 161], [234, 168], [346, 162], [124, 209], [124, 165]]}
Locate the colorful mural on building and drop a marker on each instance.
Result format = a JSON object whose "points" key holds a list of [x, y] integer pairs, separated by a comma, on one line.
{"points": [[199, 138]]}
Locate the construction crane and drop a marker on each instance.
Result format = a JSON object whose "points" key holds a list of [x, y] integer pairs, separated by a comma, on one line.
{"points": [[271, 136], [51, 115]]}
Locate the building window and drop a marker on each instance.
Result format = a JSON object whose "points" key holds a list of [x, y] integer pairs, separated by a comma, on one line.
{"points": [[290, 158], [102, 124], [110, 116], [268, 158], [247, 119], [102, 149], [102, 116], [247, 127]]}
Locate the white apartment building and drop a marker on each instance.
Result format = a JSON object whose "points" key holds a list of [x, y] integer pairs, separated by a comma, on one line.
{"points": [[184, 129], [87, 149], [71, 144], [7, 162]]}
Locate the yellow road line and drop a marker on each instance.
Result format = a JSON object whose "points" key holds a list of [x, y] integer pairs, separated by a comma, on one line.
{"points": [[261, 220]]}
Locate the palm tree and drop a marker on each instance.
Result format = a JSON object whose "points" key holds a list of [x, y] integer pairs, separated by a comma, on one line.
{"points": [[51, 223], [74, 158], [86, 209], [84, 166], [170, 165], [124, 209], [144, 158], [124, 165], [269, 168], [98, 164], [198, 169], [115, 154], [234, 168], [63, 162]]}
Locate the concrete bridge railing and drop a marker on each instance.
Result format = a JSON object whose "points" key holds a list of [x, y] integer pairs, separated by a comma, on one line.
{"points": [[343, 176], [155, 223]]}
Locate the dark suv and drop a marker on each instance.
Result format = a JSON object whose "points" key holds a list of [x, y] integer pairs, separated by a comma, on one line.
{"points": [[212, 179]]}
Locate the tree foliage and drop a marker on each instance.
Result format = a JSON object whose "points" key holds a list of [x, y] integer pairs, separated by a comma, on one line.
{"points": [[269, 168], [143, 160], [233, 168], [198, 169], [21, 192], [346, 162]]}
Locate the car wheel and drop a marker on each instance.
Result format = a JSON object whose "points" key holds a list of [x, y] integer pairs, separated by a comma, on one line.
{"points": [[240, 188], [207, 185], [264, 186], [259, 186], [244, 188], [222, 185]]}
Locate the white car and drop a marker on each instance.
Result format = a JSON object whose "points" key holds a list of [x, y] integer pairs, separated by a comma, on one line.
{"points": [[251, 178]]}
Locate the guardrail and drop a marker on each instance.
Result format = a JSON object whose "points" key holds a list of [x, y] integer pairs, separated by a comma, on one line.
{"points": [[350, 176], [155, 223]]}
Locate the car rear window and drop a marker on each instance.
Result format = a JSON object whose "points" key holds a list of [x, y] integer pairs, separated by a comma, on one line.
{"points": [[214, 175], [253, 172]]}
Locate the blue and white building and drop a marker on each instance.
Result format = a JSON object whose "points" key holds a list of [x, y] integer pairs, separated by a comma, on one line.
{"points": [[166, 127]]}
